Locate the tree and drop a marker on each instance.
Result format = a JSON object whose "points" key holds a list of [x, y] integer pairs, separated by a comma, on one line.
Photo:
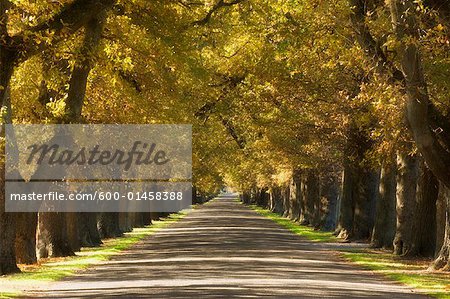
{"points": [[385, 221]]}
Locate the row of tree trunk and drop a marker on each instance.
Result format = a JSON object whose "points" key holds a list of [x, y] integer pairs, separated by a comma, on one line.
{"points": [[399, 206], [311, 198], [48, 235]]}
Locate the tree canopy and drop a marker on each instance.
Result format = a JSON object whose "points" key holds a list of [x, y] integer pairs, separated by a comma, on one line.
{"points": [[270, 87]]}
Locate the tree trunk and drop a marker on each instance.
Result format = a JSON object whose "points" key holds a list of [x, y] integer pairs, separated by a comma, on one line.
{"points": [[26, 224], [7, 229], [424, 228], [52, 239], [345, 224], [364, 198], [51, 242], [74, 105], [194, 195], [302, 199], [139, 220], [295, 195], [126, 220], [286, 201], [108, 225], [330, 194], [7, 220], [254, 195], [312, 198], [406, 26], [147, 218], [246, 197], [384, 228], [305, 206], [87, 229], [443, 258], [73, 231], [407, 175], [263, 198], [155, 215], [441, 205], [276, 203]]}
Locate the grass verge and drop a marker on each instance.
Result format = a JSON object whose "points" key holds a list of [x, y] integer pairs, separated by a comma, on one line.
{"points": [[410, 272], [53, 269], [302, 230]]}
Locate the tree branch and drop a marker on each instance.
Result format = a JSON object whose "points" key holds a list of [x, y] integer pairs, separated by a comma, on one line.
{"points": [[368, 43], [82, 68], [220, 4], [71, 18], [228, 84], [207, 109], [232, 131]]}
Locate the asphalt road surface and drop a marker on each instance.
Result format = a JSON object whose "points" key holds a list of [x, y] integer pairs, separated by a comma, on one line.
{"points": [[225, 250]]}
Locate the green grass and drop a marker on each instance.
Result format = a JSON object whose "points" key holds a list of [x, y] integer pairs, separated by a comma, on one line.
{"points": [[8, 295], [57, 268], [413, 273], [305, 231], [410, 272]]}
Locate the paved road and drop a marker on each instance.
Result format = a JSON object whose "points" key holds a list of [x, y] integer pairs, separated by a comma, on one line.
{"points": [[224, 250]]}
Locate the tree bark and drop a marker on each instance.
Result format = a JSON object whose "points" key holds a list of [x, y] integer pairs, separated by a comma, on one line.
{"points": [[424, 228], [364, 198], [407, 176], [155, 215], [82, 68], [302, 198], [7, 231], [74, 105], [7, 220], [52, 239], [246, 197], [126, 220], [330, 194], [276, 203], [384, 228], [52, 232], [286, 201], [443, 258], [139, 220], [295, 195], [108, 225], [360, 186], [73, 232], [147, 218], [312, 198], [262, 199], [441, 205], [345, 224], [25, 243], [87, 229]]}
